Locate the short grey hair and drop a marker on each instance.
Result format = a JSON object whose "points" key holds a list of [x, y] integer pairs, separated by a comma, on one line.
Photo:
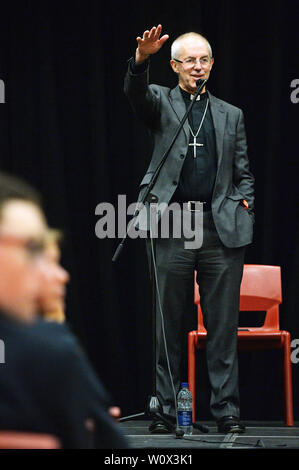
{"points": [[176, 45]]}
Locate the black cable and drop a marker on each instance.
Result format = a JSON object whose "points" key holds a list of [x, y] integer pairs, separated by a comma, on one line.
{"points": [[259, 443]]}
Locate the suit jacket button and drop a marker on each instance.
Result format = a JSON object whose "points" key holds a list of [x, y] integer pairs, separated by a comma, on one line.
{"points": [[182, 156], [175, 183]]}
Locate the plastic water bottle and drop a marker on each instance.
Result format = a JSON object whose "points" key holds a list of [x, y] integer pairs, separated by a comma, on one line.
{"points": [[185, 409]]}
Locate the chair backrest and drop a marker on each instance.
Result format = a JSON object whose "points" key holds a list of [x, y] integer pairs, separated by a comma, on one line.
{"points": [[260, 291], [26, 440]]}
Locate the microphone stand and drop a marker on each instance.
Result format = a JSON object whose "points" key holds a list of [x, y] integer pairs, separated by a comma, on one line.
{"points": [[154, 407]]}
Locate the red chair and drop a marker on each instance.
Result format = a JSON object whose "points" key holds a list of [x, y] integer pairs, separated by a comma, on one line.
{"points": [[260, 291], [26, 440]]}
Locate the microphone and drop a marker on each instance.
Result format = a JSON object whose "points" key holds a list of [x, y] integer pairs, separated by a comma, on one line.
{"points": [[200, 81]]}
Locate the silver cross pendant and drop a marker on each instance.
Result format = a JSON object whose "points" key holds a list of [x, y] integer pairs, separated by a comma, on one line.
{"points": [[194, 145]]}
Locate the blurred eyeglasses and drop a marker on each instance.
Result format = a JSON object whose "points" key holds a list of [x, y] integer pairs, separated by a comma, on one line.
{"points": [[34, 248]]}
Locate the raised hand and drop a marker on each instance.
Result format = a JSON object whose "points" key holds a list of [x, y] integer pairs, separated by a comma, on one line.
{"points": [[150, 43]]}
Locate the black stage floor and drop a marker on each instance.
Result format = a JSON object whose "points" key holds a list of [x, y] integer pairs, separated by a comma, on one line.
{"points": [[258, 435]]}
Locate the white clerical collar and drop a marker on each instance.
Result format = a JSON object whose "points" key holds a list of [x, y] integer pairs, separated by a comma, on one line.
{"points": [[201, 97], [192, 98]]}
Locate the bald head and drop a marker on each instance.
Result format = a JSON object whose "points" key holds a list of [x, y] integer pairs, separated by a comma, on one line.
{"points": [[185, 39]]}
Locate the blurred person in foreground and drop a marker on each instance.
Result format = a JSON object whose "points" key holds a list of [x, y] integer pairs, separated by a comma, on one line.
{"points": [[51, 307], [52, 296], [46, 383]]}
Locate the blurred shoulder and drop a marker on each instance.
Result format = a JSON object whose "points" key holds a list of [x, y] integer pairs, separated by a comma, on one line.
{"points": [[51, 340], [159, 90]]}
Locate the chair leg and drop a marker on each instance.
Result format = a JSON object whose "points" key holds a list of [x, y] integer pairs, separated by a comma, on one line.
{"points": [[287, 376], [191, 367]]}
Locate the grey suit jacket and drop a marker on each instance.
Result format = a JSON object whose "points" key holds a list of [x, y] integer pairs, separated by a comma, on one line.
{"points": [[161, 109]]}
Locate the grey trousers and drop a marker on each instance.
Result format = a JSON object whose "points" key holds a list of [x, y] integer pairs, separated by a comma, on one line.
{"points": [[219, 274]]}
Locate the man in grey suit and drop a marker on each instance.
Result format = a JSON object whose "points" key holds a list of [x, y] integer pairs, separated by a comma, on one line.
{"points": [[207, 164]]}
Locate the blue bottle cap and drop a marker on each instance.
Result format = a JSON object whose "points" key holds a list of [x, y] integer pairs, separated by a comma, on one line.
{"points": [[185, 385]]}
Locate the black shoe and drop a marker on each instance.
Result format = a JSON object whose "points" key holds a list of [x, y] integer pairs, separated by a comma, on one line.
{"points": [[228, 424], [159, 427]]}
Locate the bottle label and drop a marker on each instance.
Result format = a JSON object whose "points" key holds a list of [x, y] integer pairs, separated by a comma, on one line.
{"points": [[185, 418]]}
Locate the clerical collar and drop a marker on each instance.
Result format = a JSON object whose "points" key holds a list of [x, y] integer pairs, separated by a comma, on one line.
{"points": [[189, 96]]}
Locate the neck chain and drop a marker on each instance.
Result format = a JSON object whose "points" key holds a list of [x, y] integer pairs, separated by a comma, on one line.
{"points": [[195, 144]]}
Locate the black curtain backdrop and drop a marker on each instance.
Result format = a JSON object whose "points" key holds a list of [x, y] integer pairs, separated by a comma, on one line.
{"points": [[67, 128]]}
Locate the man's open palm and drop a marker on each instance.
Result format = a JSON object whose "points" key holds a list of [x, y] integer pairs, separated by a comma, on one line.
{"points": [[151, 42]]}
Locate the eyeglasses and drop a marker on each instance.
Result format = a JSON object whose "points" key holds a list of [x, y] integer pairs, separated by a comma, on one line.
{"points": [[34, 248], [191, 61]]}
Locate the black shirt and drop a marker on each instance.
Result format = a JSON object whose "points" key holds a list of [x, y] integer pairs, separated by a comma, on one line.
{"points": [[198, 174], [48, 386]]}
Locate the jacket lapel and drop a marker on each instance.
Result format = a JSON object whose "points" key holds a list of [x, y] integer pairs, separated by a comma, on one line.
{"points": [[219, 120], [179, 107]]}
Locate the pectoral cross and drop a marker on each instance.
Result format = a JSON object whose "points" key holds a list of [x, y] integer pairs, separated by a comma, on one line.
{"points": [[194, 145]]}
